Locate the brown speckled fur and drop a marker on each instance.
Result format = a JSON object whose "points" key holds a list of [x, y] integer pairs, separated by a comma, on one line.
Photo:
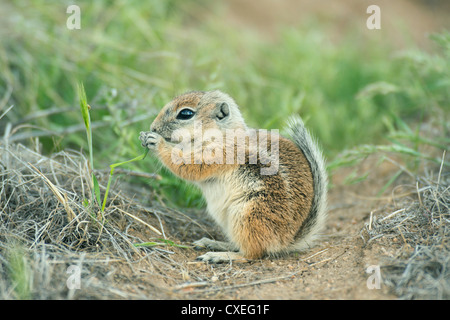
{"points": [[275, 212]]}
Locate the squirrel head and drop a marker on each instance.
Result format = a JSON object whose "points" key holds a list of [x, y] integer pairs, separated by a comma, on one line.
{"points": [[211, 109]]}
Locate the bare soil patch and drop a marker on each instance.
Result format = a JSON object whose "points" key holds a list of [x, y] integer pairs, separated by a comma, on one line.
{"points": [[417, 18]]}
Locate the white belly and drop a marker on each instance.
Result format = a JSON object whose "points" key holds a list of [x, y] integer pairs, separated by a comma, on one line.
{"points": [[223, 203]]}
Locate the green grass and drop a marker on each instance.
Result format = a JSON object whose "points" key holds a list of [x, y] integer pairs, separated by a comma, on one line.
{"points": [[85, 113], [134, 56], [19, 272], [163, 242]]}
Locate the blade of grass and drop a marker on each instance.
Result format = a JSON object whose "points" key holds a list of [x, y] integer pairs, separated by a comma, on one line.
{"points": [[62, 199], [84, 107], [96, 189], [141, 221], [3, 114], [113, 166], [391, 180], [164, 242]]}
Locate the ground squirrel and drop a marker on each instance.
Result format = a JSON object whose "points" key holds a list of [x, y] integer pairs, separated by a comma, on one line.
{"points": [[268, 193]]}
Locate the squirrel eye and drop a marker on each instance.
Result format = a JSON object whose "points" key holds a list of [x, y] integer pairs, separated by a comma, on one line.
{"points": [[185, 114]]}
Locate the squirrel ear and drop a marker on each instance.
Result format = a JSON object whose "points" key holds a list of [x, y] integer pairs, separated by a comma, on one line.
{"points": [[222, 110]]}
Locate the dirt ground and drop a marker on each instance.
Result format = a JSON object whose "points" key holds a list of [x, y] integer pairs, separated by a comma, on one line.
{"points": [[334, 269], [403, 22]]}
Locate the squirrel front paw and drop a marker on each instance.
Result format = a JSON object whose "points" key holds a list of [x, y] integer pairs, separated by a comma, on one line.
{"points": [[150, 139]]}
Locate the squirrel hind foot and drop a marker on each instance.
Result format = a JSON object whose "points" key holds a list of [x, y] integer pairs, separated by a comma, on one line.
{"points": [[222, 257]]}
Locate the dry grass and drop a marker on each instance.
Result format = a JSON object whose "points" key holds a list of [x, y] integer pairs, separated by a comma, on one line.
{"points": [[420, 269], [47, 225]]}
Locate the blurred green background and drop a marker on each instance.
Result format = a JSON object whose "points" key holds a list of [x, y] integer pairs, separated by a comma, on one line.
{"points": [[352, 85]]}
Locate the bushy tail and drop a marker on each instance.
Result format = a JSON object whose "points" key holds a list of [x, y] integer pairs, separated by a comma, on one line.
{"points": [[317, 215]]}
